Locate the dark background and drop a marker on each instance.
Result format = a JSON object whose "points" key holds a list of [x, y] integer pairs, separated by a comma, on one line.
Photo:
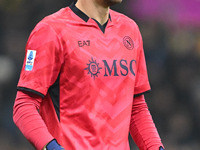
{"points": [[172, 49]]}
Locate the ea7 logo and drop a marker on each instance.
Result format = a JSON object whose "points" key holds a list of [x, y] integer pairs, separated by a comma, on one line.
{"points": [[115, 68], [84, 43]]}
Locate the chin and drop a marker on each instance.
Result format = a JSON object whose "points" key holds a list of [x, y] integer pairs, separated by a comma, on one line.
{"points": [[112, 2]]}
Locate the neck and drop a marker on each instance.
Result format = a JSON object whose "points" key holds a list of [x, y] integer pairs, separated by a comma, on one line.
{"points": [[94, 10]]}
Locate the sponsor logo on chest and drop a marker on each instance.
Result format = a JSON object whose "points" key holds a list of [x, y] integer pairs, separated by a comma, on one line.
{"points": [[113, 68]]}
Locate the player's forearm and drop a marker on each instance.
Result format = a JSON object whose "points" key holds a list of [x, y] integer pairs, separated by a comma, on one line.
{"points": [[28, 120], [142, 127]]}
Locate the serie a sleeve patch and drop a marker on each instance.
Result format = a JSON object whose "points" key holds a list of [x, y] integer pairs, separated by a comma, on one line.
{"points": [[30, 58]]}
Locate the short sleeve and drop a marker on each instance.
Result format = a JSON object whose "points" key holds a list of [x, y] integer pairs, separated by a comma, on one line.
{"points": [[42, 61], [142, 82]]}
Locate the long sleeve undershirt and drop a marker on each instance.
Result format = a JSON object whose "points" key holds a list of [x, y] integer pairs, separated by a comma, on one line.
{"points": [[142, 127], [29, 121]]}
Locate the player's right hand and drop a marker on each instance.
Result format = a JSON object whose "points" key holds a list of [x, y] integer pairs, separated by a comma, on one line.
{"points": [[53, 145]]}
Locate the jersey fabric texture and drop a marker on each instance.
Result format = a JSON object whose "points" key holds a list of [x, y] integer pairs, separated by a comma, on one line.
{"points": [[87, 77]]}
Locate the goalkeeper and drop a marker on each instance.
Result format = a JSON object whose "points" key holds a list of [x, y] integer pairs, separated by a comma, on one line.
{"points": [[83, 81]]}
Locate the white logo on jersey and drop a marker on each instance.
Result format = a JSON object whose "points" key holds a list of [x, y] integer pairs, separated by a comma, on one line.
{"points": [[30, 57]]}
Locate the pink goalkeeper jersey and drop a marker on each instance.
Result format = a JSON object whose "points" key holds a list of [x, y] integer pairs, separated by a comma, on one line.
{"points": [[87, 77]]}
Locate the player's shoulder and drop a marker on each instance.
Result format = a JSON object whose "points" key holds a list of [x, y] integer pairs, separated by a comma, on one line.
{"points": [[120, 18], [55, 20], [59, 16]]}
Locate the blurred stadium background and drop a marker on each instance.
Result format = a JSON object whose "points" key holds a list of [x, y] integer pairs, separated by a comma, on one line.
{"points": [[171, 34]]}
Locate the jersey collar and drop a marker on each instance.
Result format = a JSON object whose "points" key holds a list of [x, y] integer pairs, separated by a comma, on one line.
{"points": [[81, 14], [78, 12]]}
